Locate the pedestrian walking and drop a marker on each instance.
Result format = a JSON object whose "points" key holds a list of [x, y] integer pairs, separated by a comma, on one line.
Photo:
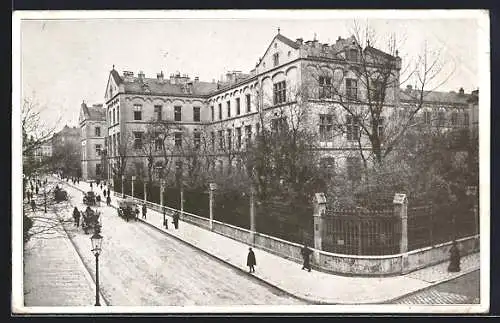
{"points": [[251, 261], [98, 200], [165, 221], [33, 205], [454, 258], [176, 219], [144, 211], [76, 216], [306, 252], [36, 189], [91, 185], [104, 192], [108, 200], [136, 212], [101, 186]]}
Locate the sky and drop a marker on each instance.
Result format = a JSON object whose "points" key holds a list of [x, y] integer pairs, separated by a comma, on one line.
{"points": [[67, 61]]}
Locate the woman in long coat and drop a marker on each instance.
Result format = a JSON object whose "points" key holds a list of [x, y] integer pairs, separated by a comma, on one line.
{"points": [[454, 258], [251, 260]]}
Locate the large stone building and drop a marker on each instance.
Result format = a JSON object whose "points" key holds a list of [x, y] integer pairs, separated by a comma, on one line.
{"points": [[92, 121], [293, 79]]}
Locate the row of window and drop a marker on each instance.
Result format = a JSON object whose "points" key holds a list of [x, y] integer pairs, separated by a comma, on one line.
{"points": [[248, 104], [158, 113], [439, 118], [352, 127]]}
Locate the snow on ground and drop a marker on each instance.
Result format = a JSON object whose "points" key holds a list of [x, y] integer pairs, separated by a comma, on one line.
{"points": [[53, 274], [140, 266]]}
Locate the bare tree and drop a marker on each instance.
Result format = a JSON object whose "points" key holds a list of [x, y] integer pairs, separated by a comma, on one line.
{"points": [[363, 84]]}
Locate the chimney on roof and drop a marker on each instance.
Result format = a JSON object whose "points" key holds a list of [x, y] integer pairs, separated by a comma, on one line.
{"points": [[159, 76], [461, 91], [128, 76], [196, 79], [172, 79], [299, 41]]}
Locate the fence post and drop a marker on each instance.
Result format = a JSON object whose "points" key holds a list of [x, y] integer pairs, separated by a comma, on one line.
{"points": [[252, 215], [400, 203], [319, 212], [145, 191], [182, 201], [123, 185], [212, 188], [133, 179], [162, 190]]}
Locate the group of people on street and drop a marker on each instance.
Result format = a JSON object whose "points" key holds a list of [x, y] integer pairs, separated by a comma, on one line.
{"points": [[305, 251]]}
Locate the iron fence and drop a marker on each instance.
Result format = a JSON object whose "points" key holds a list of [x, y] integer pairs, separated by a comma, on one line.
{"points": [[285, 219], [360, 231], [196, 201], [232, 207], [430, 223]]}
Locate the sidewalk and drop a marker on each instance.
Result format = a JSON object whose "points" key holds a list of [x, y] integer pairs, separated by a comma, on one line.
{"points": [[54, 274], [316, 287]]}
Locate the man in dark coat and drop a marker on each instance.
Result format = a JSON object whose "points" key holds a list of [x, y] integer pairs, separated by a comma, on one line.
{"points": [[108, 200], [251, 261], [306, 252], [36, 189], [104, 192], [136, 213], [33, 205], [175, 219], [454, 258], [144, 211], [76, 216]]}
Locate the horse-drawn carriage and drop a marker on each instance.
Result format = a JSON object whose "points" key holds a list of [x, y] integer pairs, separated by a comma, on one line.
{"points": [[60, 194], [89, 198], [126, 209], [90, 220]]}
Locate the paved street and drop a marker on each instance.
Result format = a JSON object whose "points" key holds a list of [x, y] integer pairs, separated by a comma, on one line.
{"points": [[461, 290], [142, 267]]}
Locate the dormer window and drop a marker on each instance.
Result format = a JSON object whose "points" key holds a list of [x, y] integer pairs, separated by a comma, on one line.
{"points": [[352, 55], [276, 59]]}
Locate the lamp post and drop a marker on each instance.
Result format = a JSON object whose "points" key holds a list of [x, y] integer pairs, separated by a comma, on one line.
{"points": [[96, 240]]}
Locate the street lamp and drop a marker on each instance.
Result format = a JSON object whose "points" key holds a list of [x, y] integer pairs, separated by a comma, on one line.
{"points": [[96, 240]]}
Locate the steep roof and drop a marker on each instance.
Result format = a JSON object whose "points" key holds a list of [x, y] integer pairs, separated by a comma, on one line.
{"points": [[287, 41], [116, 76], [155, 86], [378, 52], [434, 96], [96, 112]]}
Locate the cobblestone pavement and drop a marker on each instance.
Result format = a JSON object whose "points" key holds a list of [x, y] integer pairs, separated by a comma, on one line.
{"points": [[53, 273], [461, 290]]}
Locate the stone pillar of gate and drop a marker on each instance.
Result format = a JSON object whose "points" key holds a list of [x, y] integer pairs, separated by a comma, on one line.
{"points": [[400, 203], [212, 188], [319, 213], [145, 192], [252, 215], [133, 179]]}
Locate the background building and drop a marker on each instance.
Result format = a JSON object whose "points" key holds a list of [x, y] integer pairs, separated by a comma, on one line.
{"points": [[66, 151], [92, 121]]}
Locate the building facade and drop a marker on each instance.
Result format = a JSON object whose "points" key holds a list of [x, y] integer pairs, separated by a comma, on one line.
{"points": [[317, 85], [93, 127]]}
